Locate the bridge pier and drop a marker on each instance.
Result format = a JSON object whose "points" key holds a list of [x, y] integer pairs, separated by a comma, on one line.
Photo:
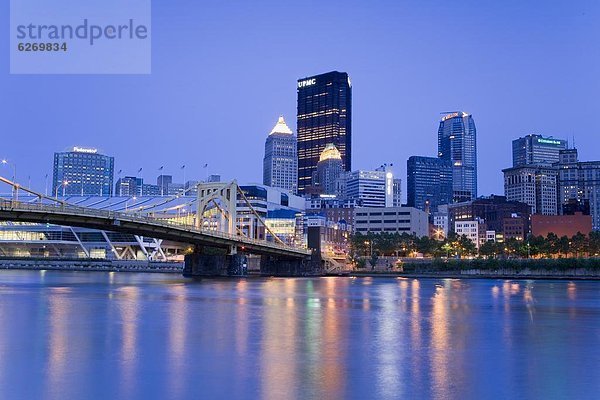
{"points": [[201, 263], [285, 266]]}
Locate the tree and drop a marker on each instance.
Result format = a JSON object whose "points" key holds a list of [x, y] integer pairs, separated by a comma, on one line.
{"points": [[373, 260], [579, 244], [489, 249], [594, 243]]}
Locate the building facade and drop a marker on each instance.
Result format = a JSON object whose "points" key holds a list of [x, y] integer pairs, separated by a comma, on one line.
{"points": [[329, 169], [536, 149], [397, 193], [579, 184], [370, 188], [535, 185], [83, 172], [129, 186], [324, 116], [457, 144], [391, 220], [496, 212], [429, 182], [280, 163], [561, 225]]}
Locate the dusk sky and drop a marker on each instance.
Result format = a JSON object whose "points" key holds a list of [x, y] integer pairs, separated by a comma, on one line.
{"points": [[222, 72]]}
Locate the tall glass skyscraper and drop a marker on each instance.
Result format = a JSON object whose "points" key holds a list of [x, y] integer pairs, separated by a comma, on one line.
{"points": [[324, 117], [457, 143], [429, 182], [536, 149], [280, 164], [83, 171]]}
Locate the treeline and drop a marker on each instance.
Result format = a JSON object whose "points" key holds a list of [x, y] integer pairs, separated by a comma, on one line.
{"points": [[405, 245]]}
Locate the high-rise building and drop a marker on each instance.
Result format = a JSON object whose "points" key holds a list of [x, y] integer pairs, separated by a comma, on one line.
{"points": [[457, 143], [370, 188], [280, 164], [163, 182], [429, 182], [324, 116], [579, 183], [397, 193], [534, 185], [82, 171], [129, 186], [536, 149], [329, 168]]}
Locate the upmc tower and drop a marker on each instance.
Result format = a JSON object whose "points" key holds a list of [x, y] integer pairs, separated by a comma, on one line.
{"points": [[324, 117]]}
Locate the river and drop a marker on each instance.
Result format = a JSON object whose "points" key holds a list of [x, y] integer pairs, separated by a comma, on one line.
{"points": [[101, 335]]}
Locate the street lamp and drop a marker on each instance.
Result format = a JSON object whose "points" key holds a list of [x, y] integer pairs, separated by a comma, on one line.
{"points": [[367, 242], [127, 202], [14, 177], [64, 185]]}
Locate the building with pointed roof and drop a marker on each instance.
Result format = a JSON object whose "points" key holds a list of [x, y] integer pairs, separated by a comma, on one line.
{"points": [[329, 168], [280, 163]]}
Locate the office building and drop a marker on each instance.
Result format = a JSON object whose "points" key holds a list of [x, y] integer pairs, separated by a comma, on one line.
{"points": [[535, 185], [397, 193], [429, 183], [476, 231], [82, 171], [579, 185], [536, 149], [329, 168], [280, 163], [499, 215], [324, 116], [129, 186], [163, 182], [457, 144], [370, 188], [391, 220]]}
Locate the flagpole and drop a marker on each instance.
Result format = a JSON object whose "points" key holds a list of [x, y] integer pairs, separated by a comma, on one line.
{"points": [[141, 182], [183, 168]]}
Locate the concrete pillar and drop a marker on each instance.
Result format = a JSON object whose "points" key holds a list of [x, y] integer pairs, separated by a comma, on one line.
{"points": [[200, 264]]}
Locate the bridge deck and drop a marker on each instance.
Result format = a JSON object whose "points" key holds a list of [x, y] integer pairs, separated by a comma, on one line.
{"points": [[69, 215]]}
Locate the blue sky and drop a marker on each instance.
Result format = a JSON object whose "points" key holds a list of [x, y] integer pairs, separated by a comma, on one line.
{"points": [[222, 72]]}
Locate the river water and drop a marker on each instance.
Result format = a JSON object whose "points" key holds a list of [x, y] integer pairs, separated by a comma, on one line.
{"points": [[86, 335]]}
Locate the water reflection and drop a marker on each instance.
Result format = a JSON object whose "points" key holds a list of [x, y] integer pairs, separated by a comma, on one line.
{"points": [[59, 312], [129, 310], [133, 336]]}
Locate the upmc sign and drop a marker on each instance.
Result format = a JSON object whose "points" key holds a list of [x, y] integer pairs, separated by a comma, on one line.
{"points": [[306, 82]]}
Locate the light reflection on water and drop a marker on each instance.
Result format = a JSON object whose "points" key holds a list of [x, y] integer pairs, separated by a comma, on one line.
{"points": [[127, 336]]}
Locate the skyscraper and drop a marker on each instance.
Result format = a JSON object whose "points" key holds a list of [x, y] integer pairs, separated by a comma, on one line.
{"points": [[536, 149], [429, 182], [82, 171], [579, 182], [457, 143], [324, 116], [534, 185], [329, 169], [280, 164]]}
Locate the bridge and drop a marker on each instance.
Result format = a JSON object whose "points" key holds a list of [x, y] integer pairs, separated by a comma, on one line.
{"points": [[219, 247]]}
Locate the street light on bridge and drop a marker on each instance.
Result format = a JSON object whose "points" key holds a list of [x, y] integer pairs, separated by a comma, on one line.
{"points": [[64, 185], [14, 177]]}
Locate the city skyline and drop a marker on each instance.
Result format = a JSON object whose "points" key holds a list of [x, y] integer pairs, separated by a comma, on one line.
{"points": [[190, 120]]}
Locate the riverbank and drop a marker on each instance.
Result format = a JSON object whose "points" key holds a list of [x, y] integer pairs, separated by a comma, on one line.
{"points": [[59, 264], [560, 268]]}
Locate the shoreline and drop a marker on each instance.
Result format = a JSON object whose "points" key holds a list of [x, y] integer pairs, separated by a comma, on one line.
{"points": [[458, 275]]}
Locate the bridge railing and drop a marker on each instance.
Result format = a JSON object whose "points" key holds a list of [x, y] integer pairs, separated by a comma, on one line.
{"points": [[15, 205]]}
